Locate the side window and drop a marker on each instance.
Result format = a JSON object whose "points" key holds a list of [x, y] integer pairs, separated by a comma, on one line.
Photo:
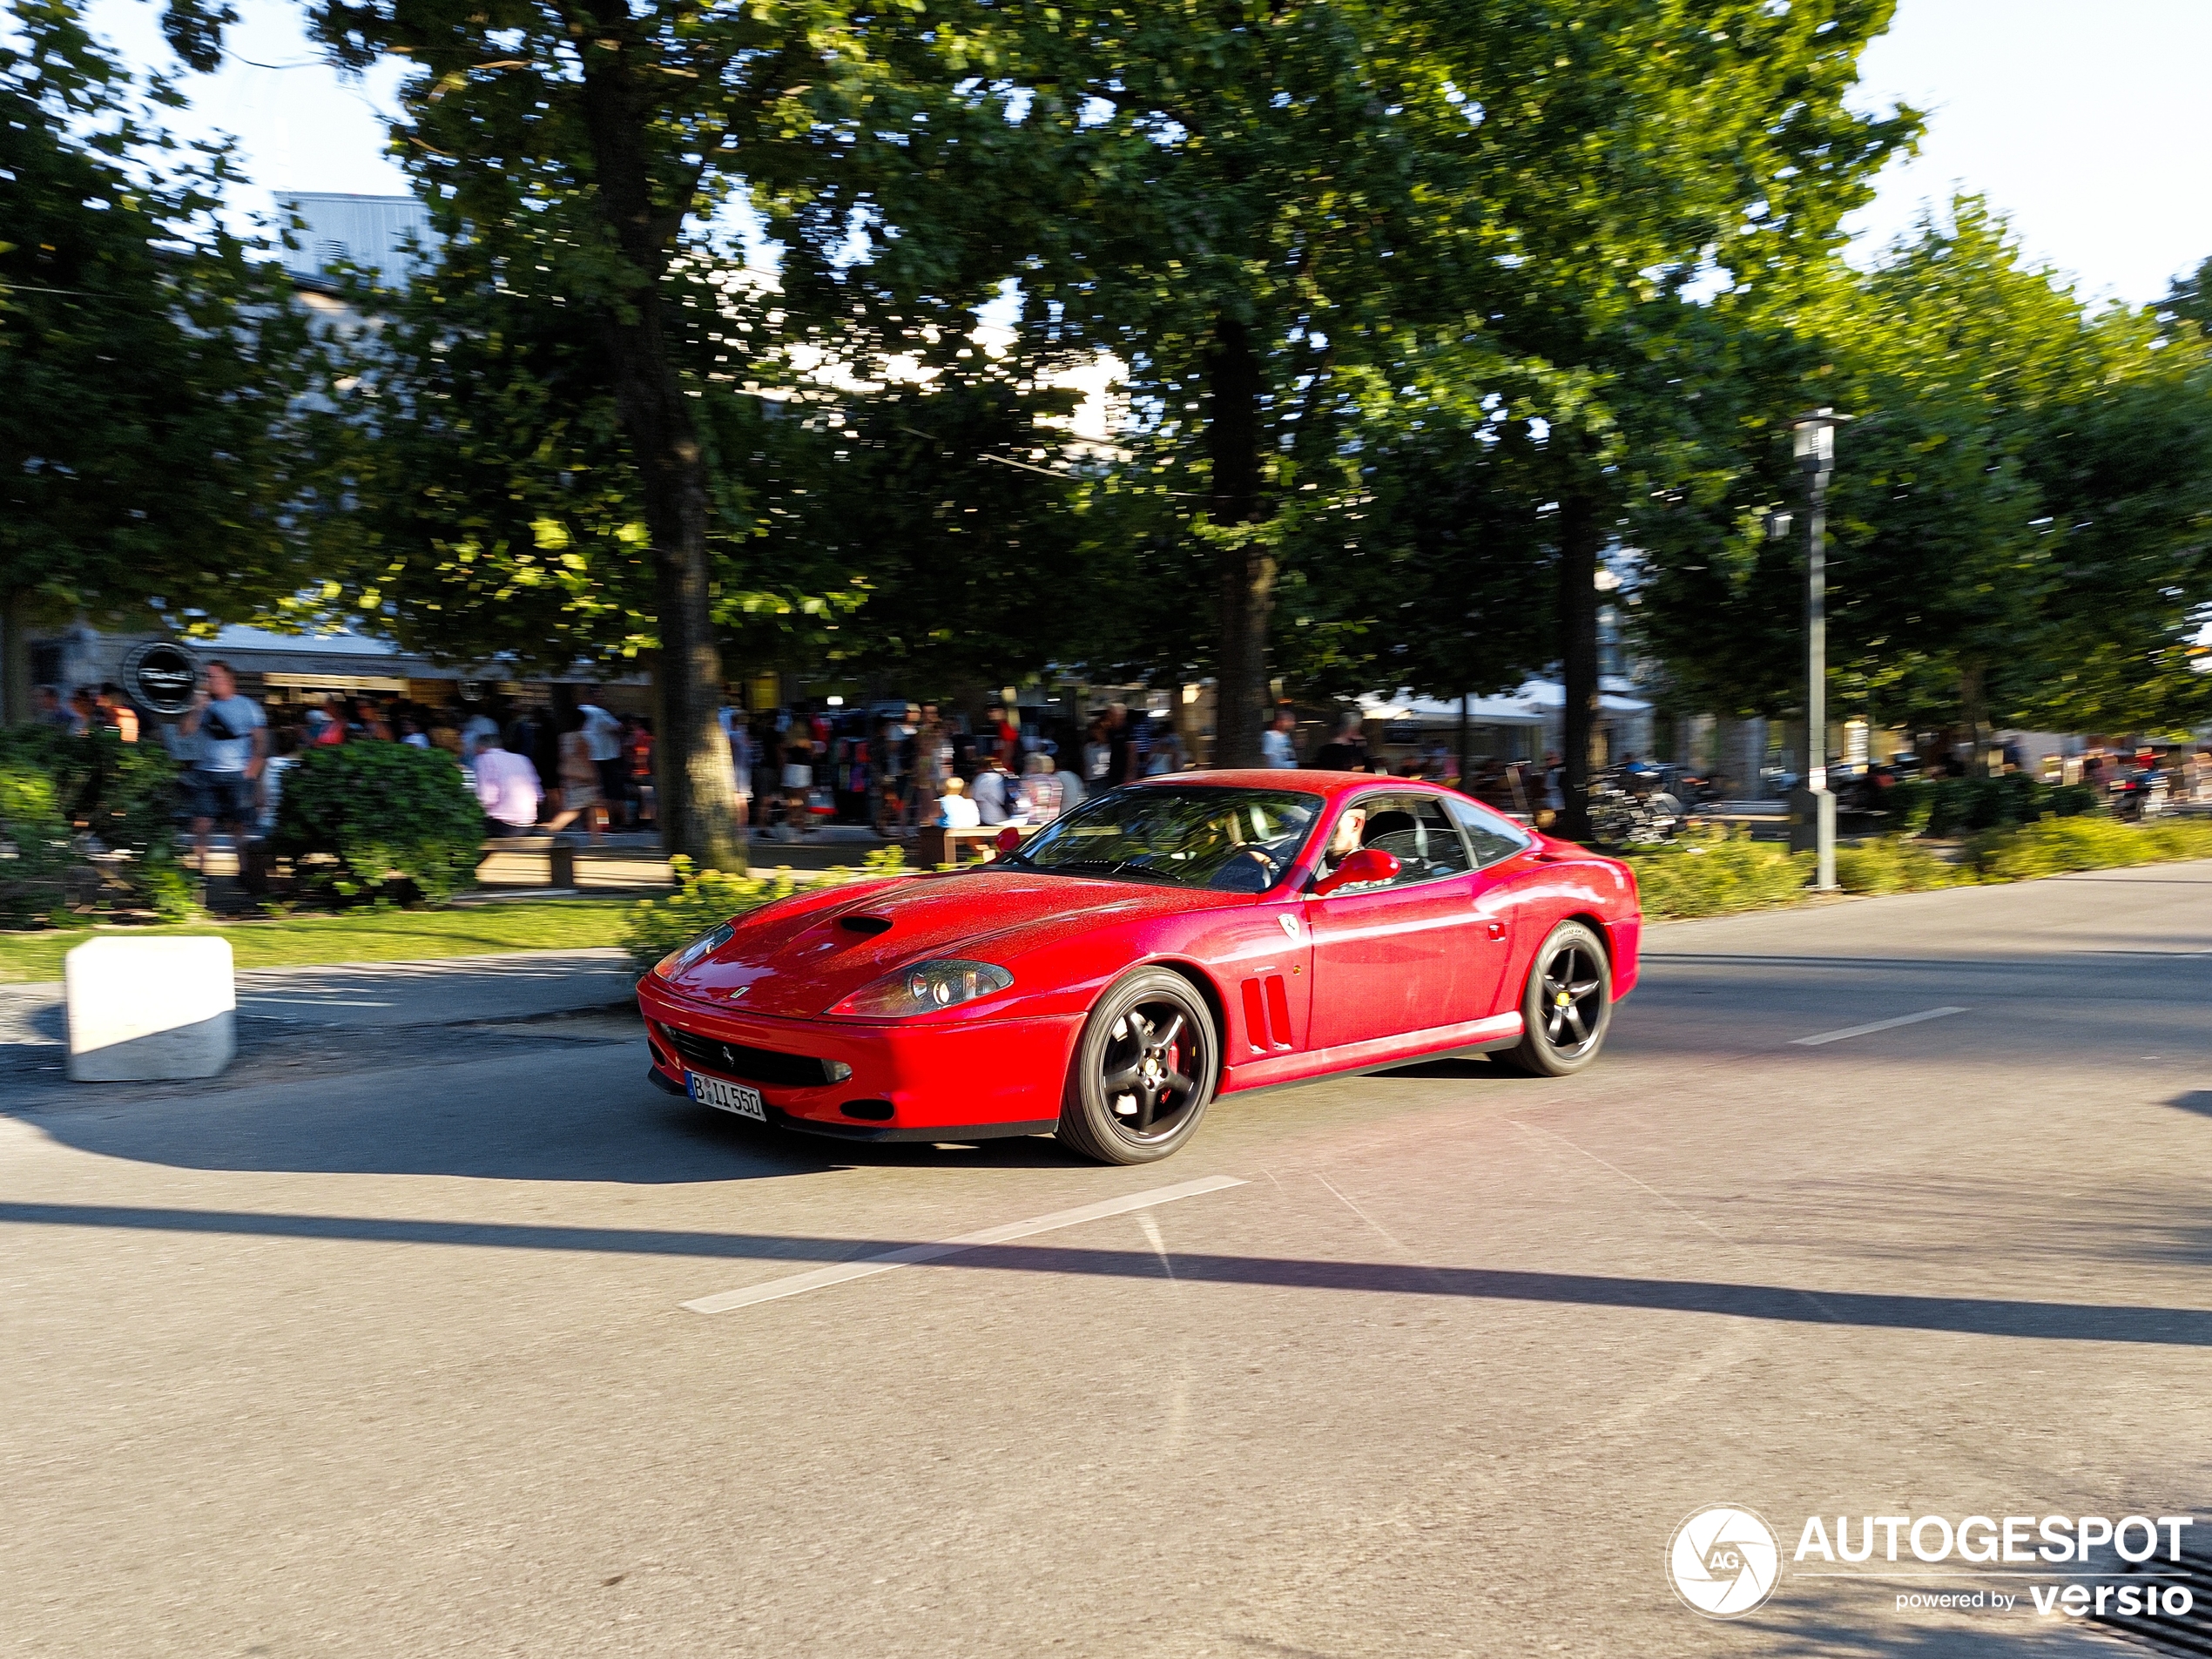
{"points": [[1415, 830], [1493, 839]]}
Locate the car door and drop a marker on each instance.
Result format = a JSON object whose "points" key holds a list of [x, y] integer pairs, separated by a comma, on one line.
{"points": [[1403, 955], [1494, 845]]}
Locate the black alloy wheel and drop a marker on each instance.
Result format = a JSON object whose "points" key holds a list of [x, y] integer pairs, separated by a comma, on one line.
{"points": [[1568, 1007], [1144, 1072]]}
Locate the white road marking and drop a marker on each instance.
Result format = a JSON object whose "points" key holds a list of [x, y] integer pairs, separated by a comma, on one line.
{"points": [[1879, 1025], [313, 1002], [868, 1266]]}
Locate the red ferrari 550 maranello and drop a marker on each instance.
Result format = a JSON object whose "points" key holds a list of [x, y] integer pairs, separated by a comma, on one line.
{"points": [[1160, 945]]}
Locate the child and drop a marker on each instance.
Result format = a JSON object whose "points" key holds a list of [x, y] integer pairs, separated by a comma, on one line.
{"points": [[954, 810]]}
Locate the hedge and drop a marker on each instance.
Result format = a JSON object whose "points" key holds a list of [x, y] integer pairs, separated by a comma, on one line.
{"points": [[380, 820], [706, 899], [87, 822]]}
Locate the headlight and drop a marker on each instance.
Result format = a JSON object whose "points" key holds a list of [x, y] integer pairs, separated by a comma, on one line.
{"points": [[708, 942], [941, 982]]}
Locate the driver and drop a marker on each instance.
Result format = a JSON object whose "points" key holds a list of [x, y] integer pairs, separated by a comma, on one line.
{"points": [[1344, 841]]}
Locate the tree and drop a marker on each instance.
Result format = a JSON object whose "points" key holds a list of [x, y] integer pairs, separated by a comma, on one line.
{"points": [[492, 508], [585, 147], [1283, 216], [153, 443], [2021, 514]]}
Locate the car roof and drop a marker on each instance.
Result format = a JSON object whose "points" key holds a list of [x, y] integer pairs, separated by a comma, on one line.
{"points": [[1333, 785]]}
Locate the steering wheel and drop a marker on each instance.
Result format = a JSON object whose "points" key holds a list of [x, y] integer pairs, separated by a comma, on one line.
{"points": [[1231, 877]]}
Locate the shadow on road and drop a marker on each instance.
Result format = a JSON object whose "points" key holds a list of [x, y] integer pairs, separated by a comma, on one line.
{"points": [[1966, 1316]]}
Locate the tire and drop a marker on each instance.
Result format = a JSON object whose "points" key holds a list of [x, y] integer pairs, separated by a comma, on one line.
{"points": [[1145, 1070], [1571, 963]]}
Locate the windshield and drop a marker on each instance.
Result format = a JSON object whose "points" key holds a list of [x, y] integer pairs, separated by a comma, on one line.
{"points": [[1231, 840]]}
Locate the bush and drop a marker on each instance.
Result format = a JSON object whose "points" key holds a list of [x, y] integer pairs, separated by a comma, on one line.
{"points": [[1947, 806], [64, 800], [394, 821], [2055, 845], [1717, 874], [1893, 864], [706, 899]]}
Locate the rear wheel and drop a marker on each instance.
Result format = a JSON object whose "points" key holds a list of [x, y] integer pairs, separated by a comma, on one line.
{"points": [[1568, 1007], [1144, 1072]]}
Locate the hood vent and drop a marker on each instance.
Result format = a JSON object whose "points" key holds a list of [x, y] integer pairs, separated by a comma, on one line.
{"points": [[867, 926]]}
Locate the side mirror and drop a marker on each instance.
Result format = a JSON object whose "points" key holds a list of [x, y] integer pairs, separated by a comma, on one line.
{"points": [[1009, 840], [1368, 864]]}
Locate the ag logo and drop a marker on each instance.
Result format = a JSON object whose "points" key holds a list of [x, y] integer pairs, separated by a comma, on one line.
{"points": [[1724, 1561]]}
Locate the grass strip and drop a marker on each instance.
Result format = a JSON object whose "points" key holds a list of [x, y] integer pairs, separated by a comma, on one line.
{"points": [[353, 936]]}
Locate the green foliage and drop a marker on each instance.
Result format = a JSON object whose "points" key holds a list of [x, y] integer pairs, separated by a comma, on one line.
{"points": [[705, 899], [380, 820], [64, 800], [2020, 524], [152, 439], [1894, 864], [1949, 807], [1717, 874], [2053, 846]]}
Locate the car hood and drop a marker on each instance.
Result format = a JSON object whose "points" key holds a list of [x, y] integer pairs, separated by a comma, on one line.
{"points": [[806, 958]]}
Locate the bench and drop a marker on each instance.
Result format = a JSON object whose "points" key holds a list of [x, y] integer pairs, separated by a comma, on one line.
{"points": [[556, 850], [935, 845]]}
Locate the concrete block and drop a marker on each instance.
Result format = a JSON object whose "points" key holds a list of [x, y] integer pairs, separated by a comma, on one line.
{"points": [[145, 1010]]}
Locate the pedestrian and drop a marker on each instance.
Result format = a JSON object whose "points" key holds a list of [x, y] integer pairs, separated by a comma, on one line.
{"points": [[476, 727], [988, 791], [117, 713], [1347, 749], [1555, 783], [50, 711], [799, 778], [411, 729], [954, 810], [1098, 752], [508, 788], [1275, 745], [1167, 755], [603, 736], [641, 794], [232, 737], [286, 743], [1041, 795], [579, 776], [1121, 750]]}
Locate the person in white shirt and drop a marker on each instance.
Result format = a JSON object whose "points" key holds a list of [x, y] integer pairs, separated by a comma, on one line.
{"points": [[603, 741], [988, 791], [507, 788], [473, 730], [1275, 745], [954, 810]]}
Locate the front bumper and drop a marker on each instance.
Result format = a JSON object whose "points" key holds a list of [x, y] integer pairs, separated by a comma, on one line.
{"points": [[940, 1080]]}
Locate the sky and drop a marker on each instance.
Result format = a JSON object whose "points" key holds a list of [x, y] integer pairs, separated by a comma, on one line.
{"points": [[2087, 122]]}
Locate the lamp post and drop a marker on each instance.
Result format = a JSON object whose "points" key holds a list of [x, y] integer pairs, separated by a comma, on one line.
{"points": [[1812, 809]]}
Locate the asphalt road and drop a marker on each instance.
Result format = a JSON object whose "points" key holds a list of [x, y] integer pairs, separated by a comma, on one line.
{"points": [[380, 1346]]}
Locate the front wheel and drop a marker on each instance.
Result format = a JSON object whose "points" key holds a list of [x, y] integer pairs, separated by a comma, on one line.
{"points": [[1145, 1070], [1568, 1007]]}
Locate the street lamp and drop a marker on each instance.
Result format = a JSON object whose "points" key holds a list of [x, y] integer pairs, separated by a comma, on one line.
{"points": [[1812, 809]]}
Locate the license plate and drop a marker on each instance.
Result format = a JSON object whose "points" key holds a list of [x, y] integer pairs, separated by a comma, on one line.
{"points": [[726, 1096]]}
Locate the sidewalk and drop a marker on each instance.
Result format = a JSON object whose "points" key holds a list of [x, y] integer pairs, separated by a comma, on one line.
{"points": [[402, 1003]]}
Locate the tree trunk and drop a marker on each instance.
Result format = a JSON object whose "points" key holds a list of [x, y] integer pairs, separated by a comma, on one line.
{"points": [[1972, 704], [1466, 742], [1579, 536], [15, 660], [698, 801], [1241, 704]]}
